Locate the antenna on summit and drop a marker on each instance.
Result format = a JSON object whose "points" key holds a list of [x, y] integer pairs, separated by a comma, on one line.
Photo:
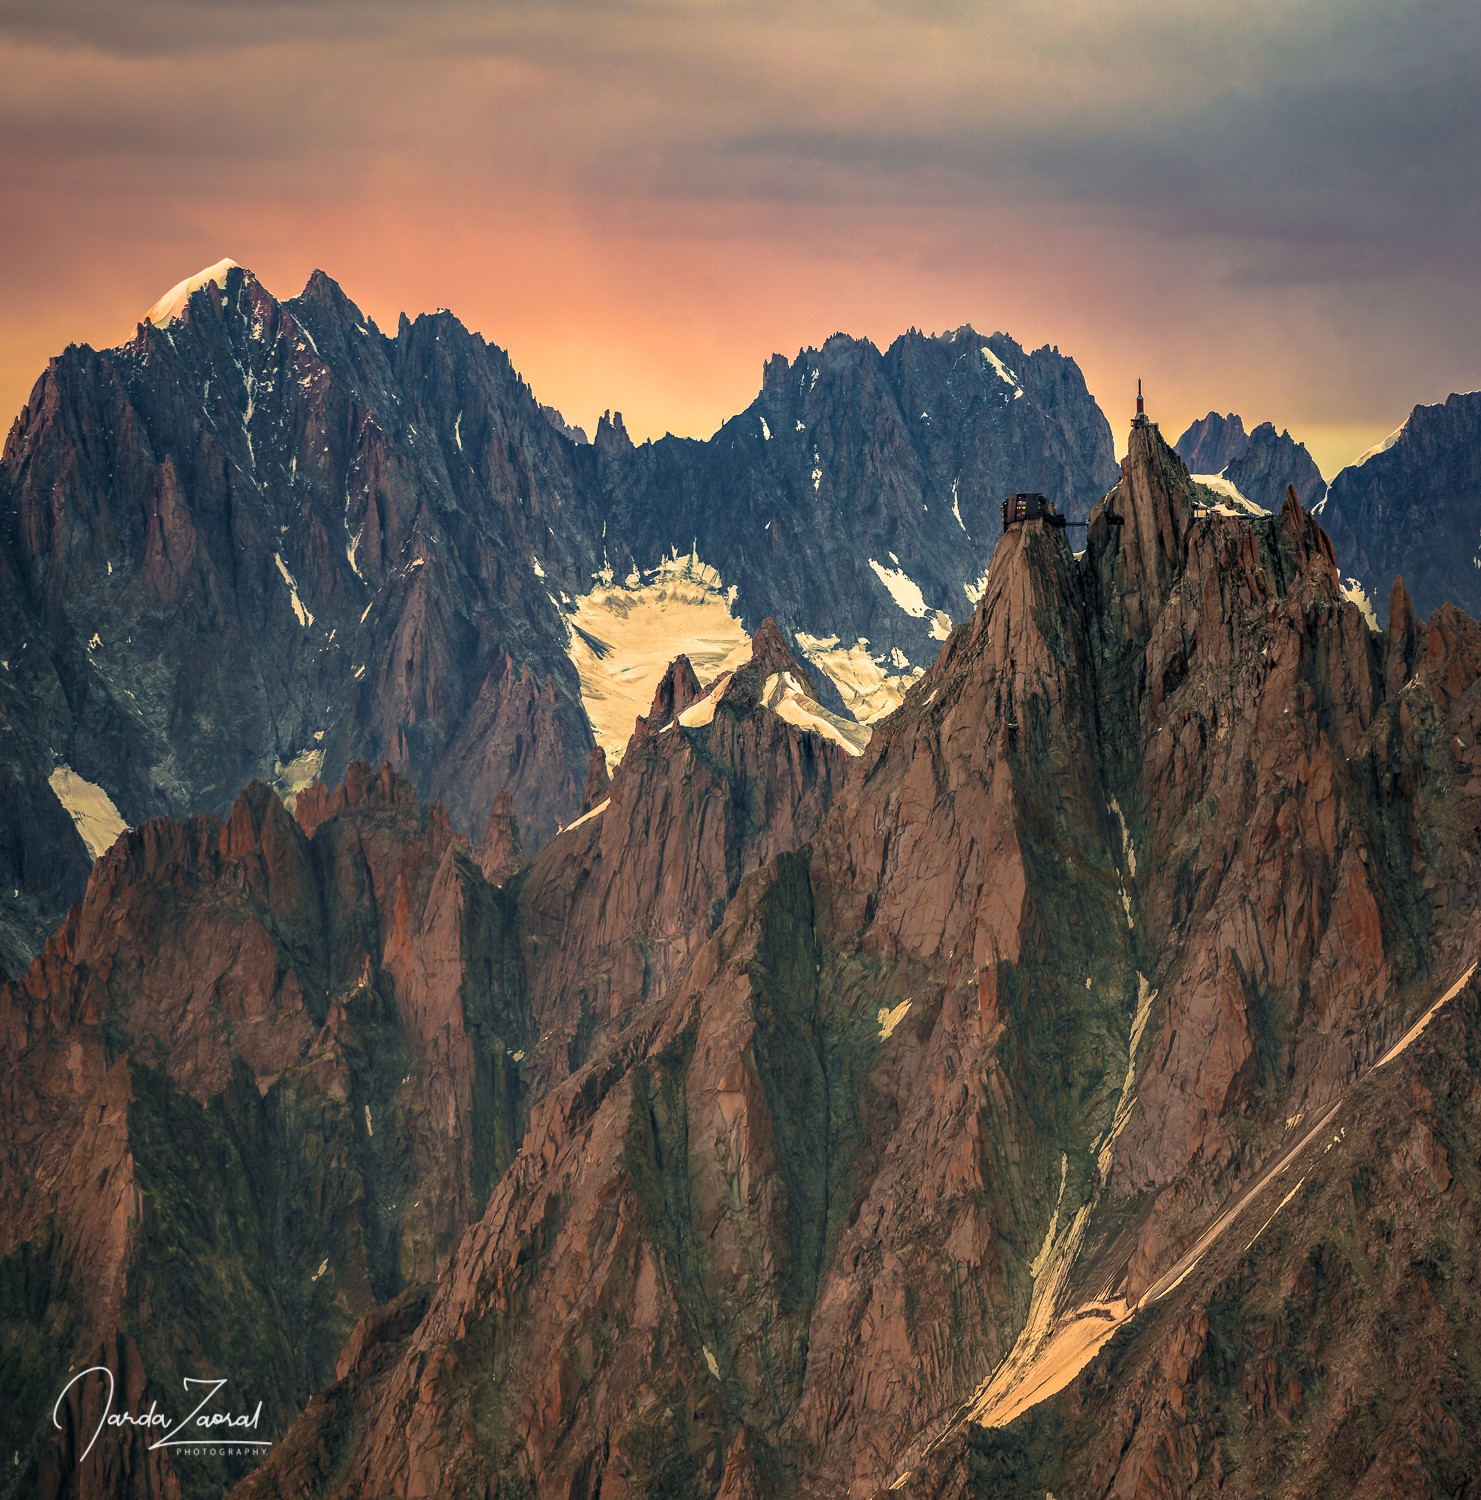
{"points": [[1140, 419]]}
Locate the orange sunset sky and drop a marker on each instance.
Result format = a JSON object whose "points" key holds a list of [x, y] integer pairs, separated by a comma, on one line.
{"points": [[1257, 207]]}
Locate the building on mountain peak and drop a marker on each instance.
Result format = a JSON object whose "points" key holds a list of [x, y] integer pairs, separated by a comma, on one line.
{"points": [[1140, 419]]}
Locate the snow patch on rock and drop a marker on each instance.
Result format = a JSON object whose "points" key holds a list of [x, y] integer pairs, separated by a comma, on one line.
{"points": [[1237, 504], [1382, 447], [783, 695], [291, 777], [622, 637], [903, 590], [1354, 593], [869, 691], [1004, 373], [90, 808], [174, 301], [304, 617]]}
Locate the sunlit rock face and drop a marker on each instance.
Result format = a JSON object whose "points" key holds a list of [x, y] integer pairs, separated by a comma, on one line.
{"points": [[263, 539], [257, 1085], [1127, 971], [266, 1076], [1211, 442]]}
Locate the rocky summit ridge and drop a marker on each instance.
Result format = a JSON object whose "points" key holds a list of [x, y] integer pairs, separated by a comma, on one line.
{"points": [[263, 1079], [1259, 465], [1067, 1094], [263, 539]]}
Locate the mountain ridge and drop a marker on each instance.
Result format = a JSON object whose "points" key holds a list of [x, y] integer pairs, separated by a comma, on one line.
{"points": [[264, 539]]}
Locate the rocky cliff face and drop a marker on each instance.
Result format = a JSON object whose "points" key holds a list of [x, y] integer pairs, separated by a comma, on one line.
{"points": [[258, 1084], [1410, 508], [267, 1075], [1272, 463], [711, 790], [1113, 920], [858, 496], [43, 860], [263, 540]]}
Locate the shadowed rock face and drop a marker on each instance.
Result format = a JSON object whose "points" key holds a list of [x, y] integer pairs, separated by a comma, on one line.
{"points": [[1413, 509], [1270, 464], [615, 907], [1261, 465], [266, 540], [1211, 442], [1158, 858], [43, 860]]}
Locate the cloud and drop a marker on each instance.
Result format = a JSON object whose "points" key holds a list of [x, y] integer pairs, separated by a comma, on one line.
{"points": [[1239, 199]]}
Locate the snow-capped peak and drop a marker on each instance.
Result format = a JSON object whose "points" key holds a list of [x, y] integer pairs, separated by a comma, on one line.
{"points": [[1381, 447], [172, 304]]}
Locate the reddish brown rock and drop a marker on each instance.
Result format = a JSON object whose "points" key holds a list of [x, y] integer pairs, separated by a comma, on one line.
{"points": [[1136, 827], [770, 653], [677, 689], [502, 854], [615, 906], [598, 779], [247, 1030], [842, 1079]]}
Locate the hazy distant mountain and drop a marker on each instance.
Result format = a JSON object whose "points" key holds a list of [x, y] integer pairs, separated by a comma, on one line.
{"points": [[556, 420], [1211, 442], [1411, 506], [262, 539], [1269, 463], [1259, 465]]}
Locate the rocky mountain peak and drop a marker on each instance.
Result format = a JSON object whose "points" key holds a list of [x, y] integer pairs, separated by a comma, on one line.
{"points": [[383, 791], [1211, 442], [676, 690], [502, 853], [1271, 462], [774, 373], [785, 1114], [175, 301], [1409, 506], [597, 779], [770, 657], [576, 434], [611, 436]]}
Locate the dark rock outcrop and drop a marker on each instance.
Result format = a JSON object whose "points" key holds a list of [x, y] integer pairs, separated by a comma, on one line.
{"points": [[556, 420], [597, 779], [502, 854], [266, 533], [43, 862], [1414, 507]]}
